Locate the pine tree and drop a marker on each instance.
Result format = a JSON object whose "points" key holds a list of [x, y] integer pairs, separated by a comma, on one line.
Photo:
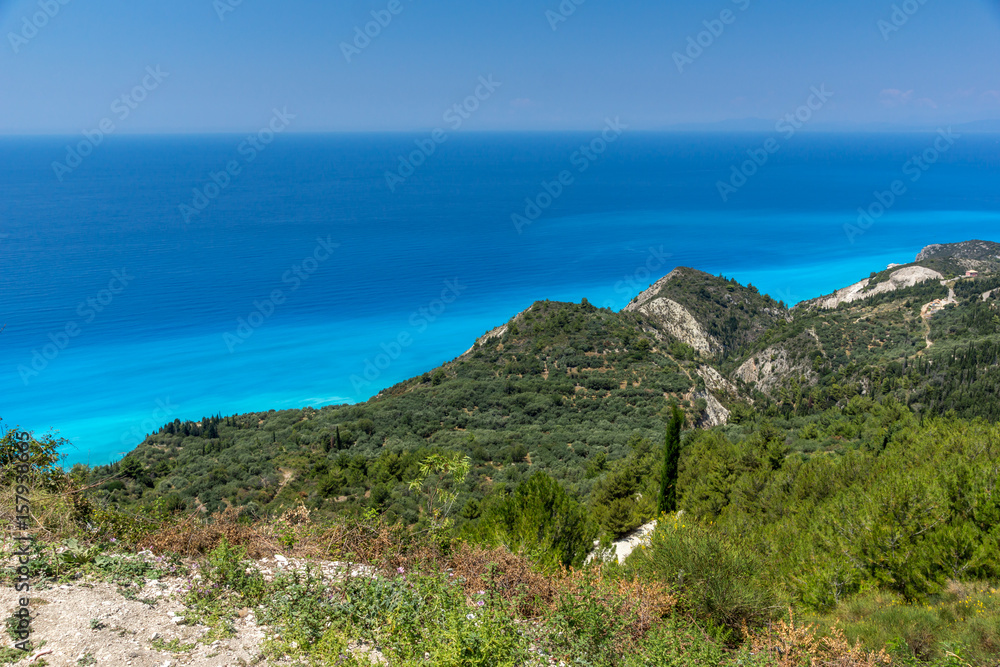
{"points": [[671, 462]]}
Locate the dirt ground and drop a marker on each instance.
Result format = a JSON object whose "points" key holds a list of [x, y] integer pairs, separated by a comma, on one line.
{"points": [[91, 623], [86, 623]]}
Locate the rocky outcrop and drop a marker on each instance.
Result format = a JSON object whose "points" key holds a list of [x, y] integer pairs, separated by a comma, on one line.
{"points": [[715, 381], [654, 290], [905, 277], [674, 319], [496, 333], [770, 368], [967, 250], [623, 547], [715, 414]]}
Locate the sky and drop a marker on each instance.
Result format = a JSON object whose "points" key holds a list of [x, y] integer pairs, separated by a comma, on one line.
{"points": [[226, 65]]}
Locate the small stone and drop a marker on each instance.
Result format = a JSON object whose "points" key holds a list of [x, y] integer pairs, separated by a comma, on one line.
{"points": [[154, 637]]}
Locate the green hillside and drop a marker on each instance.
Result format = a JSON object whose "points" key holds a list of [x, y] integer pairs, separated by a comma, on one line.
{"points": [[582, 394], [565, 389], [731, 315], [839, 460]]}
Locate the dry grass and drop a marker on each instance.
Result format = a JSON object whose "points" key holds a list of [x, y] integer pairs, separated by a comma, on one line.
{"points": [[193, 536], [642, 602], [510, 576], [293, 534], [791, 645], [53, 512]]}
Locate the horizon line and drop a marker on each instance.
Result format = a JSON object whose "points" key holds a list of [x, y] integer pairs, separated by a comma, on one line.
{"points": [[691, 131]]}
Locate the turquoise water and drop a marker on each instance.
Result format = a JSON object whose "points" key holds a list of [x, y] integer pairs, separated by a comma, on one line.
{"points": [[191, 328]]}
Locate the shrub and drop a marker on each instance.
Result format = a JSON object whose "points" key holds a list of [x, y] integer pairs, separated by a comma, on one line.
{"points": [[676, 643], [429, 619], [298, 607], [601, 616], [540, 520], [720, 582], [506, 575], [226, 566]]}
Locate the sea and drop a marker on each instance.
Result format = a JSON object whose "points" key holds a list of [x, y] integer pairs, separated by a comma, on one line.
{"points": [[147, 279]]}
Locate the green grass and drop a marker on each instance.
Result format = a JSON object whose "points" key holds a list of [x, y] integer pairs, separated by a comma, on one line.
{"points": [[962, 621]]}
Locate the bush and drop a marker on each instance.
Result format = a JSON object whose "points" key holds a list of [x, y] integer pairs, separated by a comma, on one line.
{"points": [[602, 616], [676, 643], [720, 583], [541, 521], [428, 619]]}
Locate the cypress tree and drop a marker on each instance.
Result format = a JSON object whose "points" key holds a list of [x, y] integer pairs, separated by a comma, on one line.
{"points": [[671, 462]]}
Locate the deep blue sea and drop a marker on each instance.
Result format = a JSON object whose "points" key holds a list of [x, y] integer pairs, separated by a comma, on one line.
{"points": [[306, 280]]}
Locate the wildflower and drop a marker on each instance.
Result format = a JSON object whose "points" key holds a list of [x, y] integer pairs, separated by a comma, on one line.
{"points": [[481, 593], [480, 603], [471, 617], [400, 570]]}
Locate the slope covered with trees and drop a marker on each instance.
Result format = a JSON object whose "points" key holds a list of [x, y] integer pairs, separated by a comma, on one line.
{"points": [[581, 393], [855, 478]]}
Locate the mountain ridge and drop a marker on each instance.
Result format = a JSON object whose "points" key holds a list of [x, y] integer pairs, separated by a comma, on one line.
{"points": [[570, 389]]}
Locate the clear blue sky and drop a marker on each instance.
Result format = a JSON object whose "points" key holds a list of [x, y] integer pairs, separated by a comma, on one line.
{"points": [[610, 58]]}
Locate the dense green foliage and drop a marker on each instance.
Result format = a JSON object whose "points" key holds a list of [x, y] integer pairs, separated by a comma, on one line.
{"points": [[562, 391], [579, 393], [671, 462], [877, 347], [856, 478], [538, 519], [910, 508], [721, 581], [732, 314]]}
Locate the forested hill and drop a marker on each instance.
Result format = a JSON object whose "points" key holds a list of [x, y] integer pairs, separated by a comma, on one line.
{"points": [[582, 394], [713, 314]]}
